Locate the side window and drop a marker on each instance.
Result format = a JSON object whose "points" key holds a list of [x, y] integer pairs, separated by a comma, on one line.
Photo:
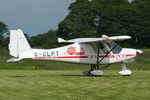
{"points": [[116, 50], [102, 50]]}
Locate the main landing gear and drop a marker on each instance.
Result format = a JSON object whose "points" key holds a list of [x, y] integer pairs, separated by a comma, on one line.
{"points": [[95, 70], [125, 71]]}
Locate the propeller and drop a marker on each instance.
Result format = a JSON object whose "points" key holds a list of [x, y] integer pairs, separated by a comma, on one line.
{"points": [[136, 43], [137, 50]]}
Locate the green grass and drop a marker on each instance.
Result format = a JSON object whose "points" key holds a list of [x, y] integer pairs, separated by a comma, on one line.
{"points": [[72, 85], [50, 80]]}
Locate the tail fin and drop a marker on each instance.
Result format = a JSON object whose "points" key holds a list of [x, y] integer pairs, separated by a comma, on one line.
{"points": [[18, 43]]}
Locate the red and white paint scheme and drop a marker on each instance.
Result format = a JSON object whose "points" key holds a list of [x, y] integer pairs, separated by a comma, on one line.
{"points": [[93, 51]]}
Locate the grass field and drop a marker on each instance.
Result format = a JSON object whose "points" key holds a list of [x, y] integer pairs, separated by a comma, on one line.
{"points": [[72, 85], [50, 80]]}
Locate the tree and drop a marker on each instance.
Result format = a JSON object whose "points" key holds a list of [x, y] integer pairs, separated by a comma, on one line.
{"points": [[142, 27], [110, 17], [46, 40], [80, 22], [86, 17], [3, 29]]}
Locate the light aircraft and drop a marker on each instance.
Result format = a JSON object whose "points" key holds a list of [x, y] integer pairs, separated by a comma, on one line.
{"points": [[92, 51]]}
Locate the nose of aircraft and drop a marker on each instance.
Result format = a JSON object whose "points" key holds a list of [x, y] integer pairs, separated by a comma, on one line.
{"points": [[139, 51], [133, 52]]}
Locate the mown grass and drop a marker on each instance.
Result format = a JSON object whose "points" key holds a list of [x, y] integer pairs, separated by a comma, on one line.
{"points": [[50, 80], [72, 85]]}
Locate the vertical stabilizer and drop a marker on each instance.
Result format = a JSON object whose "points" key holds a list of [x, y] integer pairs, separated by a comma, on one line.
{"points": [[23, 44], [18, 43]]}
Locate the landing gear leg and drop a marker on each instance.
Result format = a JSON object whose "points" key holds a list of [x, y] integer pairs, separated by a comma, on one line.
{"points": [[125, 71], [93, 67], [94, 71]]}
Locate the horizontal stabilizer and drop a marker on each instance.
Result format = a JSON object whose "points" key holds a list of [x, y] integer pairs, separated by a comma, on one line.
{"points": [[61, 40], [13, 60]]}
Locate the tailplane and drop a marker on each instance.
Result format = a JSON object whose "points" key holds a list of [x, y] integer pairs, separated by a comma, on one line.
{"points": [[18, 43]]}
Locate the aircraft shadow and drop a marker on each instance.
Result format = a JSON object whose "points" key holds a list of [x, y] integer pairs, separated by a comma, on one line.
{"points": [[88, 76], [66, 75], [71, 75], [16, 76]]}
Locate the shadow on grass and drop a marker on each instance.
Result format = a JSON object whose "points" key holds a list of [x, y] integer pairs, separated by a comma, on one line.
{"points": [[71, 75], [16, 76], [89, 76], [63, 75]]}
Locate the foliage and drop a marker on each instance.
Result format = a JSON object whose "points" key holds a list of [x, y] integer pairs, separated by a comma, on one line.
{"points": [[130, 20], [110, 17], [84, 17], [46, 40], [79, 23], [3, 29]]}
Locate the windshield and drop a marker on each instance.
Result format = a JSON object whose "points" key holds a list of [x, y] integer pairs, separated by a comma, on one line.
{"points": [[104, 50], [112, 44]]}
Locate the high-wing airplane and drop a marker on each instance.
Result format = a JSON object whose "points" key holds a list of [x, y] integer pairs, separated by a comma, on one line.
{"points": [[92, 51]]}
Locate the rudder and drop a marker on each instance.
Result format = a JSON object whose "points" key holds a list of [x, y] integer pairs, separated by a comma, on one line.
{"points": [[18, 43]]}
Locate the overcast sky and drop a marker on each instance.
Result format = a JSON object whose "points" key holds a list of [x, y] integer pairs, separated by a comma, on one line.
{"points": [[33, 16]]}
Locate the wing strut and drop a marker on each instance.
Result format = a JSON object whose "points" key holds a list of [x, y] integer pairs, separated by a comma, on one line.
{"points": [[98, 55], [99, 61], [95, 70]]}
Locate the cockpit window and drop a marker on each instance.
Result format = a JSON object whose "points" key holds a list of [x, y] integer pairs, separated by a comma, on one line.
{"points": [[112, 44], [102, 50]]}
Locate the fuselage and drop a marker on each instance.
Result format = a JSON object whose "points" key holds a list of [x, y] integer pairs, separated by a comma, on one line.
{"points": [[85, 53]]}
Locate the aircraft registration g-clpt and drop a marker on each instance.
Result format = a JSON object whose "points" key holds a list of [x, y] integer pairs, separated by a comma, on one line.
{"points": [[92, 51]]}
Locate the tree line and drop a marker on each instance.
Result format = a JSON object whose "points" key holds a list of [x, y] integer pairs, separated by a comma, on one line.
{"points": [[96, 17], [110, 17]]}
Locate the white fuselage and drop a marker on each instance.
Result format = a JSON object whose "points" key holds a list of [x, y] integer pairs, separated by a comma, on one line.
{"points": [[78, 53]]}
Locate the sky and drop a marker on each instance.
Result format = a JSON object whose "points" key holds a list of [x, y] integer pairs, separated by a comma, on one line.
{"points": [[33, 16]]}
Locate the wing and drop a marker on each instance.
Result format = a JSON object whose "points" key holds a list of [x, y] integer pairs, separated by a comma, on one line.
{"points": [[104, 38]]}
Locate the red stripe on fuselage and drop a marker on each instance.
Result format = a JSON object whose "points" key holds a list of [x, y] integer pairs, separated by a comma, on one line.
{"points": [[109, 56], [74, 57], [130, 55], [65, 57]]}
